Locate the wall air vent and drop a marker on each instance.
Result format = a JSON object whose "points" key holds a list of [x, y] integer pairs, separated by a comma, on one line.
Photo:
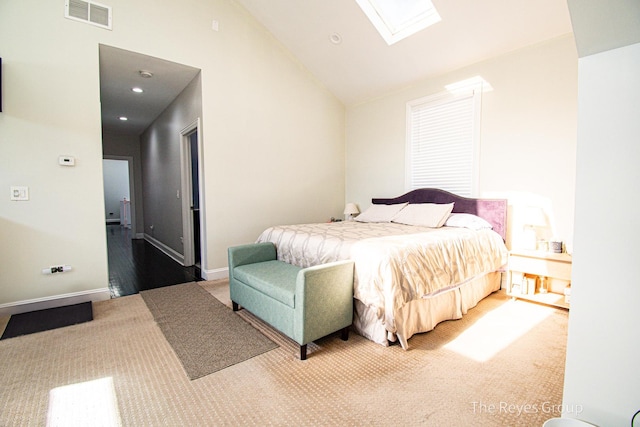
{"points": [[89, 12]]}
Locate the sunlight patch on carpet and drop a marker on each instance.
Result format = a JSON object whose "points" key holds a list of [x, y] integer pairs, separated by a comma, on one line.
{"points": [[90, 403], [498, 329]]}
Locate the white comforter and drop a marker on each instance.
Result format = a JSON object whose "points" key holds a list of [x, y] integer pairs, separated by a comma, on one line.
{"points": [[394, 263]]}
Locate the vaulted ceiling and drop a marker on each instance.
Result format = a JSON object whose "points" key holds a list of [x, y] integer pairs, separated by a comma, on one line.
{"points": [[363, 66]]}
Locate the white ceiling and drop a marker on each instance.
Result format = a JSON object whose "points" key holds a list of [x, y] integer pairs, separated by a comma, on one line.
{"points": [[362, 67]]}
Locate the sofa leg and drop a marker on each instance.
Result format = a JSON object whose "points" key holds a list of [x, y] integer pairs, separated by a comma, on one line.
{"points": [[344, 335], [235, 306], [303, 352]]}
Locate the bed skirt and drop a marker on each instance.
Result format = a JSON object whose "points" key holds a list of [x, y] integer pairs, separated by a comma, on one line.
{"points": [[424, 314]]}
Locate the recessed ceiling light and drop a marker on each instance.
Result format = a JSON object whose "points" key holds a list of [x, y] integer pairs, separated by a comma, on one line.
{"points": [[146, 74], [335, 38], [123, 118], [137, 89]]}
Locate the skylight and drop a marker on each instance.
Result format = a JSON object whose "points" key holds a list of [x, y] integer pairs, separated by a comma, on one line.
{"points": [[469, 85], [398, 19]]}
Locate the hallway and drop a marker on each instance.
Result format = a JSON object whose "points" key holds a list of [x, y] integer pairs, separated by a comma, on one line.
{"points": [[136, 265]]}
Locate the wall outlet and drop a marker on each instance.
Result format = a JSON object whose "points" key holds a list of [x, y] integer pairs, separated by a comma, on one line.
{"points": [[56, 269], [19, 193], [66, 161]]}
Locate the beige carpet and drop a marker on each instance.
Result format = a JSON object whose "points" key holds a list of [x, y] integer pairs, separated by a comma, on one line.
{"points": [[502, 364]]}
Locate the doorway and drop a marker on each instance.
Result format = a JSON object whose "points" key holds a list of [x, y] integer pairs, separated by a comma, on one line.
{"points": [[119, 191], [136, 91], [192, 191]]}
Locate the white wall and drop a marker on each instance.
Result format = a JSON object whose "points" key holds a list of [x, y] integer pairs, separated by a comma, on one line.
{"points": [[602, 370], [273, 136], [528, 134]]}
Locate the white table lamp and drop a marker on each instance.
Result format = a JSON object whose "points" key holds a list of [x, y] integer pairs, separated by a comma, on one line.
{"points": [[350, 211]]}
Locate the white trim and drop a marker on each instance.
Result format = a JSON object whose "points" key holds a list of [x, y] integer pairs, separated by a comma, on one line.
{"points": [[215, 274], [171, 253], [185, 180], [24, 306], [477, 138], [187, 220]]}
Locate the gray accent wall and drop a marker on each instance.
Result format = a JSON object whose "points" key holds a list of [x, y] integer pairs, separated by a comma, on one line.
{"points": [[160, 147]]}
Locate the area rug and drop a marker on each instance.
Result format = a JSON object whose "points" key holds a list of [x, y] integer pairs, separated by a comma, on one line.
{"points": [[47, 319], [205, 334]]}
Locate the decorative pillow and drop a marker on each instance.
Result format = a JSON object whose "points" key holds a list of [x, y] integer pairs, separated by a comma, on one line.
{"points": [[467, 220], [380, 213], [424, 214]]}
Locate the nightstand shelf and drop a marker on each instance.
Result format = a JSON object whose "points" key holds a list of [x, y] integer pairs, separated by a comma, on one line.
{"points": [[529, 270]]}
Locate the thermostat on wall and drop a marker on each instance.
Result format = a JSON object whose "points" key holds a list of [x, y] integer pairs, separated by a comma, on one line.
{"points": [[67, 160]]}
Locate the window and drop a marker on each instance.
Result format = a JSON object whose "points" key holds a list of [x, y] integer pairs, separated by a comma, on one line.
{"points": [[443, 139]]}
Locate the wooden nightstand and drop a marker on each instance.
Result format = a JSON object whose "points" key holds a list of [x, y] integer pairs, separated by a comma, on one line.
{"points": [[531, 270]]}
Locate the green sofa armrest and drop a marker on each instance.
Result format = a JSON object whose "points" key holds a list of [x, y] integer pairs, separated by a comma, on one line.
{"points": [[250, 254], [324, 300]]}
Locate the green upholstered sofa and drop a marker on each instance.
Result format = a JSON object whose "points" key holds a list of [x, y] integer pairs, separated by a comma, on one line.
{"points": [[303, 303]]}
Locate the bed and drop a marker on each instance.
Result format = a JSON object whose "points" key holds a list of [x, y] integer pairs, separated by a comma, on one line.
{"points": [[420, 258]]}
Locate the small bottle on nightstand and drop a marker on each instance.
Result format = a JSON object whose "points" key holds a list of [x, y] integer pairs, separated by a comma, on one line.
{"points": [[543, 285]]}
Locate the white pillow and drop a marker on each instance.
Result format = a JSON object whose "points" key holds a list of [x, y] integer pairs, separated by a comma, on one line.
{"points": [[380, 213], [424, 214], [467, 220]]}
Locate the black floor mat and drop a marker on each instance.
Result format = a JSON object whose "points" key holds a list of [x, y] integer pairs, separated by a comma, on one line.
{"points": [[50, 318]]}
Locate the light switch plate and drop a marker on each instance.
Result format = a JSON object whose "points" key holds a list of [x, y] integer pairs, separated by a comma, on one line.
{"points": [[19, 193], [67, 161]]}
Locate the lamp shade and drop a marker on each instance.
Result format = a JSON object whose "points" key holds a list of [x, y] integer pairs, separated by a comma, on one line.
{"points": [[535, 216], [351, 209]]}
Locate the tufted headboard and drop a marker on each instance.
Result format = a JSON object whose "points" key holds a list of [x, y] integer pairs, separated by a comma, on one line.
{"points": [[492, 210]]}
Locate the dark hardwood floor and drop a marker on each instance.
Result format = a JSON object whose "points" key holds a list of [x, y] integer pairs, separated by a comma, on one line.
{"points": [[136, 265]]}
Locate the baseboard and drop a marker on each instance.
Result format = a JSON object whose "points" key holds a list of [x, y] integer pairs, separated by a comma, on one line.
{"points": [[25, 306], [215, 274], [177, 257]]}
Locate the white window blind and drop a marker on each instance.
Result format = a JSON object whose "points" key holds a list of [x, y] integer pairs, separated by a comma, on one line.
{"points": [[442, 143]]}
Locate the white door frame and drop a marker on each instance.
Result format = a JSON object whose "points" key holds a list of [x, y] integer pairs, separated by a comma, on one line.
{"points": [[187, 218]]}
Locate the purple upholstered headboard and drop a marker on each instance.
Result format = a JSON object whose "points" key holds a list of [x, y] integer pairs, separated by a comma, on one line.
{"points": [[492, 210]]}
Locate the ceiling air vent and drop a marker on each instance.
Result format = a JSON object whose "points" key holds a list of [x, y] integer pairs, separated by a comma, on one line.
{"points": [[89, 12]]}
